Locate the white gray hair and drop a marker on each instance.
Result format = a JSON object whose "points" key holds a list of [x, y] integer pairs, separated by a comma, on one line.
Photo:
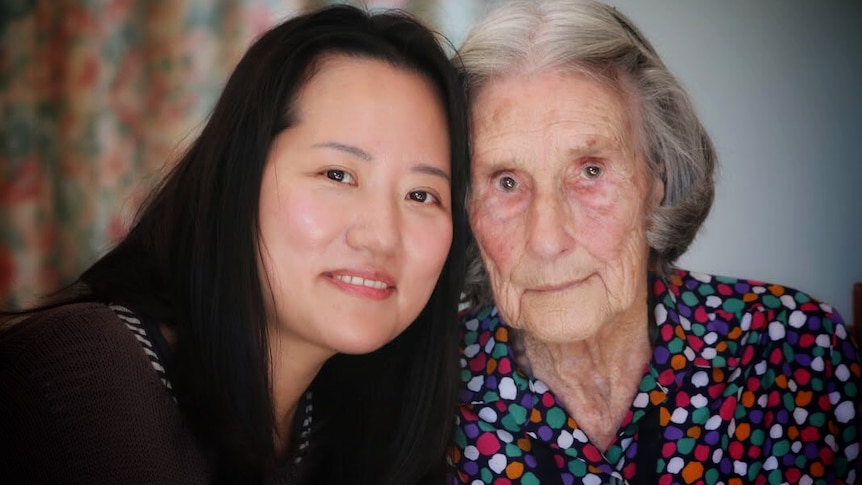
{"points": [[585, 36]]}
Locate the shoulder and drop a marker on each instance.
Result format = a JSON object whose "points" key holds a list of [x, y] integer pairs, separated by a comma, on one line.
{"points": [[83, 400], [744, 317], [739, 298], [82, 344], [64, 332]]}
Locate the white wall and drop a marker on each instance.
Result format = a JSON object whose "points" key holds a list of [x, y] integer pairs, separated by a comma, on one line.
{"points": [[778, 84]]}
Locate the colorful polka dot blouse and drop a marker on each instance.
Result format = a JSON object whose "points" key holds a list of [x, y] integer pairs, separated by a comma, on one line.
{"points": [[749, 383]]}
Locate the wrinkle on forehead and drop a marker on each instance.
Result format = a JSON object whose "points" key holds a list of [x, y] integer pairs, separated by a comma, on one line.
{"points": [[505, 123]]}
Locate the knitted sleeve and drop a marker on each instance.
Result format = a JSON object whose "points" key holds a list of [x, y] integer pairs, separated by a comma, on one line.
{"points": [[81, 403]]}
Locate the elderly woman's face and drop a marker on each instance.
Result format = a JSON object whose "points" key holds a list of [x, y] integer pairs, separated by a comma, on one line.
{"points": [[559, 206]]}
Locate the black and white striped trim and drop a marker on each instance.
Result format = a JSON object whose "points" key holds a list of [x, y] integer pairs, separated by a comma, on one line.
{"points": [[133, 323], [137, 328]]}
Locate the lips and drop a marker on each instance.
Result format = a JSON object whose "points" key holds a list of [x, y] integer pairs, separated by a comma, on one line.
{"points": [[552, 287]]}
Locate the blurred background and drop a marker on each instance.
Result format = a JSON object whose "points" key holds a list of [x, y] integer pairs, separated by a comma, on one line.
{"points": [[98, 97]]}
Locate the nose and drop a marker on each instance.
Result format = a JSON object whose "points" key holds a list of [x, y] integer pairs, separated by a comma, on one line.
{"points": [[375, 227], [549, 226]]}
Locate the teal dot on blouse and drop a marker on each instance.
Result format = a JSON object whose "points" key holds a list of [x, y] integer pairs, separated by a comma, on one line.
{"points": [[685, 445], [700, 415], [732, 305], [771, 301], [530, 479], [775, 477], [689, 298], [513, 450], [577, 467], [555, 417], [757, 437]]}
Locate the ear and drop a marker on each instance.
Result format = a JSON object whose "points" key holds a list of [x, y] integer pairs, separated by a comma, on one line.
{"points": [[656, 192]]}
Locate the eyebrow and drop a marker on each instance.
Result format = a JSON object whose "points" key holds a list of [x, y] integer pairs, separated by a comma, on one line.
{"points": [[429, 170], [365, 156], [349, 149]]}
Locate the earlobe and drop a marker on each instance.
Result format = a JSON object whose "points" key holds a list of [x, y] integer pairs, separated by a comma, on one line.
{"points": [[657, 192]]}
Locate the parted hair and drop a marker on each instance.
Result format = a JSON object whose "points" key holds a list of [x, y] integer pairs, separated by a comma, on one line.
{"points": [[589, 37], [190, 261]]}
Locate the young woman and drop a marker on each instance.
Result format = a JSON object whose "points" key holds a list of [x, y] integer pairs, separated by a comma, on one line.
{"points": [[282, 309]]}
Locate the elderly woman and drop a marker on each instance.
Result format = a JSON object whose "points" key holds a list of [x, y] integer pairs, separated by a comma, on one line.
{"points": [[598, 361]]}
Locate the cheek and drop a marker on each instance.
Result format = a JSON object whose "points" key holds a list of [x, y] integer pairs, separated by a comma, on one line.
{"points": [[429, 243], [298, 223], [611, 225], [308, 220], [493, 228]]}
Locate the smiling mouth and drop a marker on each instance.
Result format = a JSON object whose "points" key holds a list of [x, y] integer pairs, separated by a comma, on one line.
{"points": [[357, 281]]}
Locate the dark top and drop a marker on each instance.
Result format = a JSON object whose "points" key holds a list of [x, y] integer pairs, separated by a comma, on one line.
{"points": [[86, 400], [749, 383]]}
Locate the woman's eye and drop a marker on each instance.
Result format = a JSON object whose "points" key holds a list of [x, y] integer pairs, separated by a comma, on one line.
{"points": [[422, 196], [339, 176], [592, 171], [507, 183]]}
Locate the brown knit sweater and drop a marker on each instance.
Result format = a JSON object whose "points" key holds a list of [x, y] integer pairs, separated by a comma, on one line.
{"points": [[80, 402]]}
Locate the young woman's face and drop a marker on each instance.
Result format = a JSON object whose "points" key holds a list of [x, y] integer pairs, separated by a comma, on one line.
{"points": [[355, 209]]}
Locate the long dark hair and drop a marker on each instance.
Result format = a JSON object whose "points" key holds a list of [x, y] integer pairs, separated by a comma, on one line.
{"points": [[189, 260]]}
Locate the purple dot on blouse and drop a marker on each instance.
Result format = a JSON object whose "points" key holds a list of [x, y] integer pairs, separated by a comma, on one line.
{"points": [[661, 355], [692, 284], [802, 359], [545, 433], [673, 433], [726, 466], [471, 430], [755, 416], [811, 451], [470, 467], [717, 326], [711, 437], [568, 479], [491, 382], [792, 337], [527, 400], [742, 287], [813, 323], [684, 310], [781, 416], [530, 460]]}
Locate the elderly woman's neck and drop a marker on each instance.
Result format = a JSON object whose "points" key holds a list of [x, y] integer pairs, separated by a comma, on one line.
{"points": [[596, 379]]}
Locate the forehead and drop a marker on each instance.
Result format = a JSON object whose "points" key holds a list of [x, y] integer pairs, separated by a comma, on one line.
{"points": [[550, 109]]}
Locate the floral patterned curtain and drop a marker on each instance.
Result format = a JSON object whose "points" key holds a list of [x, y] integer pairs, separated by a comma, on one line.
{"points": [[97, 98]]}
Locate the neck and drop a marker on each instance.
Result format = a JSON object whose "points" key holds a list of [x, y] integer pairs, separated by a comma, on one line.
{"points": [[596, 379], [294, 366]]}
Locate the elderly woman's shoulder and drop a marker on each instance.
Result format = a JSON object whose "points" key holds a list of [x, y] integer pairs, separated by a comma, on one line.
{"points": [[748, 312]]}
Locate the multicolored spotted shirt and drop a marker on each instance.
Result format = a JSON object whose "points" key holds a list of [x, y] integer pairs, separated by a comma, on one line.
{"points": [[749, 383]]}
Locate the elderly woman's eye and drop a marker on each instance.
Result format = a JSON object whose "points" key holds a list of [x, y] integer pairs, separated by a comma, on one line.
{"points": [[507, 183], [593, 171]]}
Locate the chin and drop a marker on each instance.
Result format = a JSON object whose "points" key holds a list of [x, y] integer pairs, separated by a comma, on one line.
{"points": [[557, 325], [361, 344]]}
